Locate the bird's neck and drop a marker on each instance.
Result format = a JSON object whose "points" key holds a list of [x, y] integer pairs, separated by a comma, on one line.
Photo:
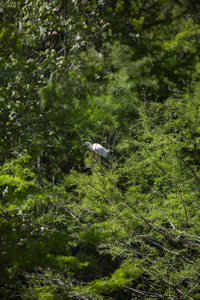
{"points": [[90, 146]]}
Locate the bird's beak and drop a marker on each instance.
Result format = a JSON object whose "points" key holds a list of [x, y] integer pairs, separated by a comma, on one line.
{"points": [[83, 145]]}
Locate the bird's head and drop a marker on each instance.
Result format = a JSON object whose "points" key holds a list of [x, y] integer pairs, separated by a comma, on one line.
{"points": [[88, 144]]}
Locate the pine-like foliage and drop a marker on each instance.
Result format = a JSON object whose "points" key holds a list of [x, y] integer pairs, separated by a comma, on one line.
{"points": [[124, 74]]}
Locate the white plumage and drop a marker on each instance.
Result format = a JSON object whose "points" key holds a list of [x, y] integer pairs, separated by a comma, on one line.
{"points": [[97, 148]]}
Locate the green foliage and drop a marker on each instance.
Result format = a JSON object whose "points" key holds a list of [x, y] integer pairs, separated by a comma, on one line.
{"points": [[124, 74]]}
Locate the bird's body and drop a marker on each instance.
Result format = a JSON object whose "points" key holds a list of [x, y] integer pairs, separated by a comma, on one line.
{"points": [[97, 148]]}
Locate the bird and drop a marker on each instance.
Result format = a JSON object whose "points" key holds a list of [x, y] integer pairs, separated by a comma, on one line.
{"points": [[97, 148]]}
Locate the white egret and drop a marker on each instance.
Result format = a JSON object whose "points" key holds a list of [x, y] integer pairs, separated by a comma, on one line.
{"points": [[97, 148]]}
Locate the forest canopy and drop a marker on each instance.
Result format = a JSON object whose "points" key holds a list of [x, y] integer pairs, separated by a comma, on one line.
{"points": [[125, 74]]}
